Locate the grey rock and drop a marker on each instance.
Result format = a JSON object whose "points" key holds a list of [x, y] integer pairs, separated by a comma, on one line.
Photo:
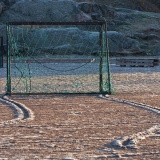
{"points": [[64, 40], [128, 30], [83, 17], [151, 37], [41, 10], [157, 50], [96, 11], [3, 7], [118, 41], [147, 36], [11, 2], [6, 2], [63, 49], [67, 40]]}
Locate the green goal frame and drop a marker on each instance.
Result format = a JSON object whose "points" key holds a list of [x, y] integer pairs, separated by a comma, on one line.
{"points": [[14, 58]]}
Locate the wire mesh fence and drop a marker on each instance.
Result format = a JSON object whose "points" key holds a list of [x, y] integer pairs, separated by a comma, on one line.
{"points": [[57, 57]]}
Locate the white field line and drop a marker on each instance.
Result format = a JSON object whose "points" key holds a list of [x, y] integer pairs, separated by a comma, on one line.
{"points": [[23, 113], [132, 140]]}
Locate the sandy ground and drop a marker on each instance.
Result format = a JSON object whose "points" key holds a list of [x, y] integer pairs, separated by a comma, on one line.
{"points": [[87, 126]]}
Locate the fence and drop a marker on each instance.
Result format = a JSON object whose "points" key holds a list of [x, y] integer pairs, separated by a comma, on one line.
{"points": [[57, 57]]}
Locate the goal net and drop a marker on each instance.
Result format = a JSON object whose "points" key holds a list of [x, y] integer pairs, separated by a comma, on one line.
{"points": [[57, 57]]}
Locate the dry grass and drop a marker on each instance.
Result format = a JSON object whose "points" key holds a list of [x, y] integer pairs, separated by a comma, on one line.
{"points": [[57, 84], [136, 83]]}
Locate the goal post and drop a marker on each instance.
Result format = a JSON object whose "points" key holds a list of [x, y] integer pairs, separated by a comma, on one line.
{"points": [[57, 57], [1, 52]]}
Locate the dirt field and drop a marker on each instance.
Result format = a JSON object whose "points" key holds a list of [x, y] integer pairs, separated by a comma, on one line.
{"points": [[86, 127]]}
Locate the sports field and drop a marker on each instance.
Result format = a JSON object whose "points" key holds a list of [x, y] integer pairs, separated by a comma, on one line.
{"points": [[125, 125]]}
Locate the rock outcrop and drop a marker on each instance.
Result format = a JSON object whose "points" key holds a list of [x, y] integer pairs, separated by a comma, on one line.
{"points": [[129, 31], [3, 7], [41, 10], [97, 12], [67, 40]]}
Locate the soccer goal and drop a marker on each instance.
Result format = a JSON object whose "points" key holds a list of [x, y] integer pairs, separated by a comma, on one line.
{"points": [[57, 57]]}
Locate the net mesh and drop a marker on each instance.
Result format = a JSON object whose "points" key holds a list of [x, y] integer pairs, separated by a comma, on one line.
{"points": [[57, 58]]}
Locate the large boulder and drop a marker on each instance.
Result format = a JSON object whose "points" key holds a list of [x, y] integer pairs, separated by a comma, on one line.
{"points": [[125, 26], [6, 2], [11, 2], [57, 40], [67, 40], [96, 11], [42, 10], [157, 50], [3, 7], [117, 42]]}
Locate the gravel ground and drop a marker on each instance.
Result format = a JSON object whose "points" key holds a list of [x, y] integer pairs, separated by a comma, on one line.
{"points": [[6, 112], [88, 127], [81, 127]]}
